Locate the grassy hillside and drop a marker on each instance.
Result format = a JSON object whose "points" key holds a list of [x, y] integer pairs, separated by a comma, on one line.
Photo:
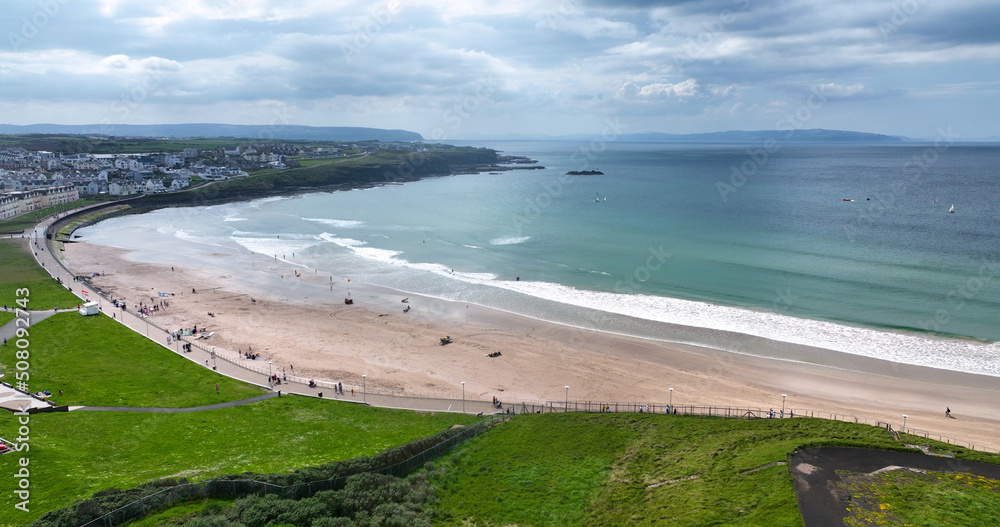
{"points": [[76, 454], [335, 174], [633, 469]]}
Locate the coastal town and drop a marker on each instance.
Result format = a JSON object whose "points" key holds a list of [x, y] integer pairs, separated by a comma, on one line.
{"points": [[36, 179]]}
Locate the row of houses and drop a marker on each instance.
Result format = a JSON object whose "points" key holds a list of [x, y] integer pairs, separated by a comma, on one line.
{"points": [[14, 203]]}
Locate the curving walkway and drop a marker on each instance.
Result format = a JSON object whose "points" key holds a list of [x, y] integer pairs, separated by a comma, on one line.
{"points": [[217, 406]]}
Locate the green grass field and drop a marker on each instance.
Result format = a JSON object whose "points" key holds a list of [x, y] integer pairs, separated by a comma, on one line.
{"points": [[6, 316], [76, 454], [96, 361], [903, 497], [20, 271], [632, 469]]}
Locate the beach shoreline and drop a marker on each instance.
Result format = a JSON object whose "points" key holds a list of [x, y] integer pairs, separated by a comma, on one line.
{"points": [[305, 327]]}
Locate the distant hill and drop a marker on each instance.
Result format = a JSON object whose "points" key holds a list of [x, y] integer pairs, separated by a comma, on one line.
{"points": [[816, 135], [268, 132], [754, 136]]}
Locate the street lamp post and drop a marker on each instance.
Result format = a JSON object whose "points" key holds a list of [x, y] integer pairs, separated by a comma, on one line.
{"points": [[364, 383], [463, 397], [671, 405], [567, 398], [783, 404], [904, 422], [215, 365]]}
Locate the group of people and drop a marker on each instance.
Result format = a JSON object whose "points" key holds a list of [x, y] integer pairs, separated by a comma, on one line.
{"points": [[338, 389], [249, 355], [496, 402]]}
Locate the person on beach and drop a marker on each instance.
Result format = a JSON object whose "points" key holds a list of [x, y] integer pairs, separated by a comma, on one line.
{"points": [[947, 412]]}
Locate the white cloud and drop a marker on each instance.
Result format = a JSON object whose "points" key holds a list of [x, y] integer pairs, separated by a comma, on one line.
{"points": [[555, 64], [660, 90]]}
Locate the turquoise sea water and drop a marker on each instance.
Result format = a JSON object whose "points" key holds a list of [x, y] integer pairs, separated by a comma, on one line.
{"points": [[771, 250]]}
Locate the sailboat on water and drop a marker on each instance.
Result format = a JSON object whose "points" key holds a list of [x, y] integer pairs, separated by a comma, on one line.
{"points": [[952, 209]]}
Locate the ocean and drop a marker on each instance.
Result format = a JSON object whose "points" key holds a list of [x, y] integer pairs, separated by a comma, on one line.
{"points": [[845, 247]]}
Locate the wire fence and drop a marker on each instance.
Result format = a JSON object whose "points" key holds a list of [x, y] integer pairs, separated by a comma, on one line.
{"points": [[238, 488]]}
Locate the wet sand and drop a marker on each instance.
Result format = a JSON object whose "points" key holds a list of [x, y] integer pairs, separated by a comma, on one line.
{"points": [[302, 321]]}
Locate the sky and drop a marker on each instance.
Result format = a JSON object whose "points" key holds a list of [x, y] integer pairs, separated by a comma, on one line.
{"points": [[492, 69]]}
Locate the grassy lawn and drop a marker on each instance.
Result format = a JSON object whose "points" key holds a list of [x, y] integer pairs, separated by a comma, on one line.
{"points": [[18, 270], [621, 469], [96, 361], [903, 497], [6, 316], [76, 454]]}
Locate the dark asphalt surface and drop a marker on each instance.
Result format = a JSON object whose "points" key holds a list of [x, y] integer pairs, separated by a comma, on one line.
{"points": [[821, 503]]}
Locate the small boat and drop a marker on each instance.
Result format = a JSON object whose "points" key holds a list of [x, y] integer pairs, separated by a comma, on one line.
{"points": [[848, 199], [952, 209]]}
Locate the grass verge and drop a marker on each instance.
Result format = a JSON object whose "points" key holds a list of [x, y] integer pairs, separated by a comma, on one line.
{"points": [[76, 454], [96, 361], [20, 271]]}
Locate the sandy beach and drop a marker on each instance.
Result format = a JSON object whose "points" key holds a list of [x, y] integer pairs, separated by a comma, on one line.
{"points": [[304, 327]]}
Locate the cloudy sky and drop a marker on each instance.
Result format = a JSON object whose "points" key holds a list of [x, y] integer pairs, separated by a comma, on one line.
{"points": [[472, 68]]}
